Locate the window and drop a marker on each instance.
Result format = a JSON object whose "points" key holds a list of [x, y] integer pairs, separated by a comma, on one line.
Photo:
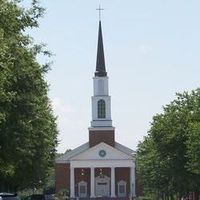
{"points": [[121, 188], [82, 189], [101, 109]]}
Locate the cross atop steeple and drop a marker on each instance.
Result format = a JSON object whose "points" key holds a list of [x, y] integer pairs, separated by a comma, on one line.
{"points": [[99, 9], [101, 103]]}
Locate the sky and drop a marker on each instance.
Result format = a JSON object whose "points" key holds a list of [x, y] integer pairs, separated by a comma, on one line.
{"points": [[151, 49]]}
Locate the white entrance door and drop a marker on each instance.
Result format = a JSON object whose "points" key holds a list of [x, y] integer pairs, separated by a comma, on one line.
{"points": [[102, 186], [82, 189]]}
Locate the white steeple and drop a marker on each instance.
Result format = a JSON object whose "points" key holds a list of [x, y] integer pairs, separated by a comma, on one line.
{"points": [[101, 101]]}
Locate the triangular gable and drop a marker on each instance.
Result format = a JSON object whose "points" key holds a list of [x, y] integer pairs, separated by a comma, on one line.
{"points": [[72, 153], [124, 149], [102, 151]]}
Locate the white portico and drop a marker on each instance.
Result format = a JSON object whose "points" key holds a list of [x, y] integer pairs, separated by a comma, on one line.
{"points": [[101, 156]]}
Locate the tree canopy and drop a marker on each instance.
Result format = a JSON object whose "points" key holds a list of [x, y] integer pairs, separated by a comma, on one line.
{"points": [[28, 131], [168, 159]]}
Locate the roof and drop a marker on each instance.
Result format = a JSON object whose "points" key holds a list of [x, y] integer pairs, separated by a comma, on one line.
{"points": [[100, 63], [79, 150], [73, 153]]}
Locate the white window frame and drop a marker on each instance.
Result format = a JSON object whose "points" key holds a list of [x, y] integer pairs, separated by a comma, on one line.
{"points": [[121, 183]]}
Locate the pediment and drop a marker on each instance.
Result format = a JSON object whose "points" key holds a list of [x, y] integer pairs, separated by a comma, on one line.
{"points": [[102, 151], [66, 157]]}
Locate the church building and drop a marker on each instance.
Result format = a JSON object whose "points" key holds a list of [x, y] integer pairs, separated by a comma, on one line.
{"points": [[101, 167]]}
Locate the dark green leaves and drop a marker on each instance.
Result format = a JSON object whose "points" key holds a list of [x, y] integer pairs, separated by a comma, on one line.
{"points": [[173, 148], [28, 132]]}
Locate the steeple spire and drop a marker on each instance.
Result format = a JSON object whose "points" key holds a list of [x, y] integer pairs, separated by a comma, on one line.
{"points": [[100, 63], [101, 101]]}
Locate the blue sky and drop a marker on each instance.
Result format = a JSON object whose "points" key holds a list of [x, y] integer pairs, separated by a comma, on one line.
{"points": [[152, 51]]}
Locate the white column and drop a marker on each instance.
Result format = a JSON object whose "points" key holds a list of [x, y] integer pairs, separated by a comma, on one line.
{"points": [[112, 182], [72, 193], [92, 182], [132, 182]]}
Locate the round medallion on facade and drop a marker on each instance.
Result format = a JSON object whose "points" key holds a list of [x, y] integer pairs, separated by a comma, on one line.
{"points": [[102, 153]]}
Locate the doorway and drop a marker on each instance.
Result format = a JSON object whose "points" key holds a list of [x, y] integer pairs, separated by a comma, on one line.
{"points": [[102, 186]]}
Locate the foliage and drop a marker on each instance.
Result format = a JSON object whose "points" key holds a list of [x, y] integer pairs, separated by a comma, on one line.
{"points": [[168, 158], [62, 194], [193, 148], [28, 131]]}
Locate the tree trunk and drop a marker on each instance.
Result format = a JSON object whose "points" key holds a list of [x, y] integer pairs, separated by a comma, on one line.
{"points": [[178, 196]]}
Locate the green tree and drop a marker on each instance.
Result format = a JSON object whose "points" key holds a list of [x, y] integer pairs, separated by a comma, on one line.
{"points": [[193, 148], [152, 170], [175, 138], [28, 131]]}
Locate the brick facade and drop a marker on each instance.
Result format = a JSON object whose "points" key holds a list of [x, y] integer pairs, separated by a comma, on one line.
{"points": [[104, 171], [62, 176], [83, 174], [122, 174], [98, 136]]}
